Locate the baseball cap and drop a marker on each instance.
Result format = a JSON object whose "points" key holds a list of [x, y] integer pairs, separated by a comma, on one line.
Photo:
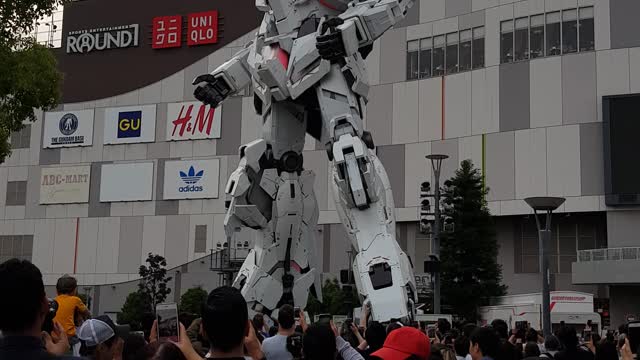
{"points": [[404, 342], [96, 331]]}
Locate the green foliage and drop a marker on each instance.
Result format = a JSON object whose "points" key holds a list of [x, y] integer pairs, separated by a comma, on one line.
{"points": [[191, 301], [29, 78], [470, 272], [154, 279], [335, 300], [134, 310]]}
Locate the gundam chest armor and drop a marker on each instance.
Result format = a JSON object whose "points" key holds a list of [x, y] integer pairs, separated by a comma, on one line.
{"points": [[307, 73]]}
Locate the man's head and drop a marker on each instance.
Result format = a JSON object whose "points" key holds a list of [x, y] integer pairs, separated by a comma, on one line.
{"points": [[484, 342], [225, 319], [286, 318], [551, 343], [375, 335], [461, 345], [532, 335], [319, 343], [405, 343], [99, 337], [67, 285], [501, 328], [24, 303], [568, 338], [531, 349]]}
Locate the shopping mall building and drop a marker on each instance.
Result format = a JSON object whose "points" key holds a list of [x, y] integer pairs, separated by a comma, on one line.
{"points": [[128, 164]]}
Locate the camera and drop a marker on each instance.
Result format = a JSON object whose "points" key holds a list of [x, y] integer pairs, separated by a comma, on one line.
{"points": [[51, 313]]}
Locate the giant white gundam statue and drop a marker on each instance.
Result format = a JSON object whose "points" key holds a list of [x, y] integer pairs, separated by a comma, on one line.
{"points": [[308, 76]]}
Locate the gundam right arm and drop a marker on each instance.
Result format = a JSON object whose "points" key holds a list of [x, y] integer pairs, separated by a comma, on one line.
{"points": [[228, 79]]}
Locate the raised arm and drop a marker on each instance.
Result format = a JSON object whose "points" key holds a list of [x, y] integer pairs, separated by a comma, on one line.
{"points": [[356, 29]]}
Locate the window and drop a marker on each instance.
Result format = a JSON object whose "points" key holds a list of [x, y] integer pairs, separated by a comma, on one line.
{"points": [[425, 57], [506, 41], [200, 243], [452, 53], [586, 29], [478, 47], [16, 246], [438, 56], [522, 39], [569, 31], [412, 59], [527, 248], [553, 34], [21, 139], [536, 36], [465, 50], [16, 193]]}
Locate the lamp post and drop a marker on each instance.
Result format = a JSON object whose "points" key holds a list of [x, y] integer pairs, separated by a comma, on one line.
{"points": [[436, 165], [544, 206]]}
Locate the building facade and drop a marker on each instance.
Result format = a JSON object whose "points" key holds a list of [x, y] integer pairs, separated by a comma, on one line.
{"points": [[515, 86]]}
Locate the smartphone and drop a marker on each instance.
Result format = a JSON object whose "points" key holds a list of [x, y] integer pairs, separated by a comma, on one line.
{"points": [[167, 317], [634, 336], [324, 319], [296, 313]]}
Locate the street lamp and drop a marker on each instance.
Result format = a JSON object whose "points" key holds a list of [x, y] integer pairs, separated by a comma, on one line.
{"points": [[544, 205], [436, 165]]}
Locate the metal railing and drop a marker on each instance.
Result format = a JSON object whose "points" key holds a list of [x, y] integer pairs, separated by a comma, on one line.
{"points": [[612, 254]]}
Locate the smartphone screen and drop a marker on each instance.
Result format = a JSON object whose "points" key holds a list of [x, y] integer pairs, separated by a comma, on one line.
{"points": [[167, 316], [296, 312], [634, 336], [324, 319]]}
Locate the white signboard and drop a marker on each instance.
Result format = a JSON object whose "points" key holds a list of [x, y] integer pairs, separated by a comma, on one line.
{"points": [[105, 38], [126, 182], [192, 121], [68, 129], [127, 125], [191, 179], [65, 185]]}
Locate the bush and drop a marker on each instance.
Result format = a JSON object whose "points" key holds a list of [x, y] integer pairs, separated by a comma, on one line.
{"points": [[191, 301], [135, 311]]}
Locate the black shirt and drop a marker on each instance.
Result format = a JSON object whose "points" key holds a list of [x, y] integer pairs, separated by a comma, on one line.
{"points": [[27, 348], [578, 354]]}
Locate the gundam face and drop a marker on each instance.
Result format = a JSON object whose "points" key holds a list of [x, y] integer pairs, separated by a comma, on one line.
{"points": [[307, 72]]}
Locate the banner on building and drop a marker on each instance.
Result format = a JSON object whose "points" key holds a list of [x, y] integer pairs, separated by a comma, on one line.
{"points": [[193, 121], [128, 125], [191, 179], [68, 129], [65, 185], [126, 182]]}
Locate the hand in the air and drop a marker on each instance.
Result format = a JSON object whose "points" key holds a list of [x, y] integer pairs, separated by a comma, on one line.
{"points": [[212, 92], [330, 44]]}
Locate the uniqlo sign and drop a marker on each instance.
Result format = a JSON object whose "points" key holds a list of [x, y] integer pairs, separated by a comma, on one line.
{"points": [[167, 32], [203, 28]]}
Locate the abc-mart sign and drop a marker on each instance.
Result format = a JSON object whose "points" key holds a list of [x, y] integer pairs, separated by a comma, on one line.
{"points": [[191, 179], [68, 129], [105, 38]]}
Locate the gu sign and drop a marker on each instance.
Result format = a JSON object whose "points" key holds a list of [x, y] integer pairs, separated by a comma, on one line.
{"points": [[113, 37], [193, 121]]}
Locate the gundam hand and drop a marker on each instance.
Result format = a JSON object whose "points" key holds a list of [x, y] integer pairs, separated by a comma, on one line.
{"points": [[213, 92], [330, 45]]}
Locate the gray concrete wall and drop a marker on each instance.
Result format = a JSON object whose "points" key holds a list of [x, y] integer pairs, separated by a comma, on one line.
{"points": [[623, 228], [624, 300]]}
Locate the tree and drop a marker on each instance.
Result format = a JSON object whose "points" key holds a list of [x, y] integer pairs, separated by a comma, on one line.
{"points": [[154, 279], [469, 270], [29, 78], [191, 301], [335, 300], [135, 310]]}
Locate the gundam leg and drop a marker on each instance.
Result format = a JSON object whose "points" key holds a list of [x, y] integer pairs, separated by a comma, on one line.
{"points": [[364, 201], [272, 194]]}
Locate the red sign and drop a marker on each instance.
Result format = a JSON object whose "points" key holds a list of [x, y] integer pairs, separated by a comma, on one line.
{"points": [[167, 32], [203, 28]]}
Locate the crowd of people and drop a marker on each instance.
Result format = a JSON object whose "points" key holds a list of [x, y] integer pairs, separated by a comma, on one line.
{"points": [[30, 331]]}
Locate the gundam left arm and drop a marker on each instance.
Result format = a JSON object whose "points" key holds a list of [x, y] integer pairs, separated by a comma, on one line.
{"points": [[359, 26]]}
